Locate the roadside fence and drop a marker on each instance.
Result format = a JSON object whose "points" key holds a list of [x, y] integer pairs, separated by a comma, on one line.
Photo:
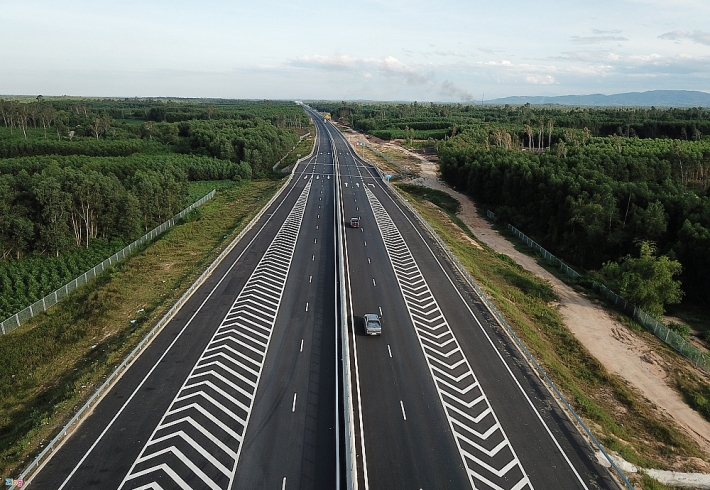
{"points": [[11, 323], [665, 334], [300, 138]]}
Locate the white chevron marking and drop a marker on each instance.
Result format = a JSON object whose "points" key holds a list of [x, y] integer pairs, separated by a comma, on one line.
{"points": [[186, 461]]}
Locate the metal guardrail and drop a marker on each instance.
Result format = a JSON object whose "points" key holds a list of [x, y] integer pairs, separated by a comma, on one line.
{"points": [[665, 334], [14, 321]]}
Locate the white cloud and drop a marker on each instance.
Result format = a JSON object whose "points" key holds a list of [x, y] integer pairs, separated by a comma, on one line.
{"points": [[696, 36], [387, 67], [540, 79], [339, 62]]}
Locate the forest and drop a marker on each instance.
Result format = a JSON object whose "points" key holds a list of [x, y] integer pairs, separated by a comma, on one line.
{"points": [[80, 178], [591, 184]]}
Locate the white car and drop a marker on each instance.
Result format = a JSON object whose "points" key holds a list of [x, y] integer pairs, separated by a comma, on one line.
{"points": [[373, 324]]}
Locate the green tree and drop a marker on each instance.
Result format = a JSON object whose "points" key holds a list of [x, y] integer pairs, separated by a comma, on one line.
{"points": [[646, 281], [54, 203]]}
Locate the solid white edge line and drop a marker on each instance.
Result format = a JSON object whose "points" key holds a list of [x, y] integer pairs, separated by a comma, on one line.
{"points": [[260, 369], [128, 366], [525, 395]]}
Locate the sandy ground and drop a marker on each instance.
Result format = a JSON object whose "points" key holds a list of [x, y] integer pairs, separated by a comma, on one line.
{"points": [[619, 349]]}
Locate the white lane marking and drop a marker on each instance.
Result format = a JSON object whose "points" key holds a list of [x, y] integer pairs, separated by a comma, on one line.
{"points": [[366, 243], [357, 208], [368, 260], [407, 273], [306, 305], [165, 353], [301, 349], [313, 258], [373, 282], [283, 485], [293, 407], [380, 308], [226, 343], [318, 216], [316, 227], [498, 353], [389, 350], [315, 240], [310, 278], [404, 414]]}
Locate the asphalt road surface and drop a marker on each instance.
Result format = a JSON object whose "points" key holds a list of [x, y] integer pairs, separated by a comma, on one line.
{"points": [[243, 388], [441, 399], [239, 389]]}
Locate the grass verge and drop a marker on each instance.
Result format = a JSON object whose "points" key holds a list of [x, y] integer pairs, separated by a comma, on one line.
{"points": [[619, 416], [54, 362]]}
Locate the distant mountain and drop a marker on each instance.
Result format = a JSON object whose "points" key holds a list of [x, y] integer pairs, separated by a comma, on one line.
{"points": [[656, 98]]}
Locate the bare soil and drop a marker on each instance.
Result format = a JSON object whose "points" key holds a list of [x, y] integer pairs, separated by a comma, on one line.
{"points": [[622, 351]]}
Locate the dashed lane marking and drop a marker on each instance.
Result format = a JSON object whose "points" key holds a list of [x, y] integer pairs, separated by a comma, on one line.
{"points": [[488, 457], [199, 439]]}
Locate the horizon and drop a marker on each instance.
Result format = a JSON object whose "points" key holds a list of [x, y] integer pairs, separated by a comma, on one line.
{"points": [[403, 101]]}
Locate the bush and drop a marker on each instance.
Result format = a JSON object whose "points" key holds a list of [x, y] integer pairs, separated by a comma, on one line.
{"points": [[679, 328]]}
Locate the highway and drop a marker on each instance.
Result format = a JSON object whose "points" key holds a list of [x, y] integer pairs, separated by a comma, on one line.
{"points": [[441, 399], [239, 389], [244, 387]]}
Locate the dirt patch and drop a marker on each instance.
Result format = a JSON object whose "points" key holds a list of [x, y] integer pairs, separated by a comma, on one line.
{"points": [[621, 351]]}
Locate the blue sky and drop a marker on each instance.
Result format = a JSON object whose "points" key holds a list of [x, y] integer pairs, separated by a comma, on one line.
{"points": [[441, 50]]}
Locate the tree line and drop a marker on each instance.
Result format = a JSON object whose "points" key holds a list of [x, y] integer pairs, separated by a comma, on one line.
{"points": [[622, 186], [598, 202], [80, 178], [62, 208]]}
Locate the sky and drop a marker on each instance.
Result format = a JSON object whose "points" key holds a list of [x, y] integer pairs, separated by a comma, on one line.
{"points": [[438, 50]]}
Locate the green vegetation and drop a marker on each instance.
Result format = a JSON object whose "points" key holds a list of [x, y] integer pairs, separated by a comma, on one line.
{"points": [[440, 198], [621, 418], [587, 184], [56, 360], [303, 148], [646, 281], [99, 173]]}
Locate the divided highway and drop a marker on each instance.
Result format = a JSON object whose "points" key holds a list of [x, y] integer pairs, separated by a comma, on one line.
{"points": [[243, 388]]}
